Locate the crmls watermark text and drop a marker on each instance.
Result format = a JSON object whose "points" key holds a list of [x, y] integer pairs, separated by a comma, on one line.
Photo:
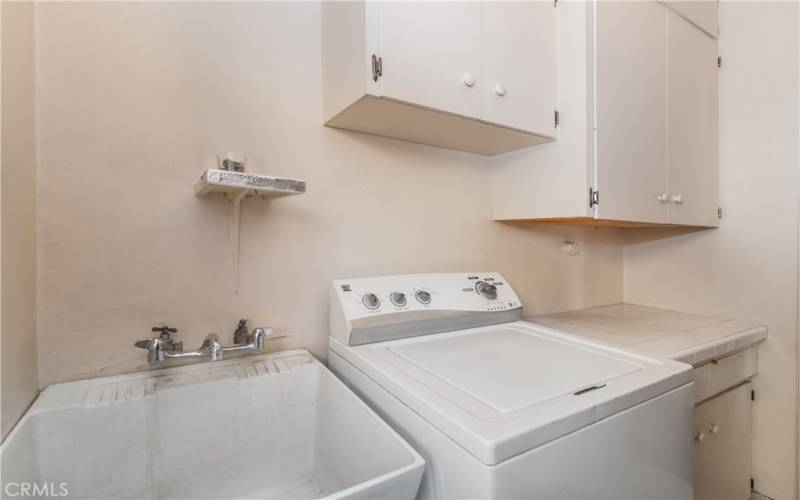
{"points": [[36, 490]]}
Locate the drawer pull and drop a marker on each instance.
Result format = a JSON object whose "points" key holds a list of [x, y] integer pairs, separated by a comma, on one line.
{"points": [[713, 428], [699, 436]]}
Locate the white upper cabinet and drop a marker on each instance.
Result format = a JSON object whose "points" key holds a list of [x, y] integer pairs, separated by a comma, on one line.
{"points": [[430, 53], [473, 76], [693, 131], [638, 138], [519, 86], [631, 83]]}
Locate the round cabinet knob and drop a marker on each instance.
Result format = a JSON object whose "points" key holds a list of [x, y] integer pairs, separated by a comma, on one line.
{"points": [[713, 428], [500, 89], [398, 299], [486, 289], [677, 199], [422, 297], [663, 197], [371, 301], [468, 79], [699, 437]]}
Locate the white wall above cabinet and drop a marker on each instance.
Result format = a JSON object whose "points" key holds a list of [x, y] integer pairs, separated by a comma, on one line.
{"points": [[474, 76], [638, 138]]}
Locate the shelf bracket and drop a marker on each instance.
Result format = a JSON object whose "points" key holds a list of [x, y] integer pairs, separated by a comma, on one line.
{"points": [[236, 186]]}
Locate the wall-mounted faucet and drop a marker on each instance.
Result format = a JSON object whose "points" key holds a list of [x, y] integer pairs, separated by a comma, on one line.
{"points": [[163, 347]]}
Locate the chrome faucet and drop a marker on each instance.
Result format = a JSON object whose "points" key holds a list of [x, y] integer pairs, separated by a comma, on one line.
{"points": [[244, 341], [164, 348]]}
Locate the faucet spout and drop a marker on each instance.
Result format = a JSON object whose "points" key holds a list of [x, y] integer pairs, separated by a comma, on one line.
{"points": [[163, 348], [253, 341], [211, 349]]}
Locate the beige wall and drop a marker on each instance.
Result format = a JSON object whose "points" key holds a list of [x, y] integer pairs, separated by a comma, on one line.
{"points": [[18, 179], [748, 267], [133, 102]]}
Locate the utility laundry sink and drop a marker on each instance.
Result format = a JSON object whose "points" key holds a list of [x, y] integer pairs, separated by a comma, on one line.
{"points": [[268, 426]]}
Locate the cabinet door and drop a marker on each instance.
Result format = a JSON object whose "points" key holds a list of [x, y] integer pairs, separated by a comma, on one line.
{"points": [[722, 459], [693, 119], [631, 110], [431, 54], [519, 44]]}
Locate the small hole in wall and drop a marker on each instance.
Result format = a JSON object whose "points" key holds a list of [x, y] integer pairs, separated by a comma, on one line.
{"points": [[570, 248]]}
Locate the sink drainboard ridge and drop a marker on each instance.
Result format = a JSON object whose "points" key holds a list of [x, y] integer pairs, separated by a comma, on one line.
{"points": [[131, 390]]}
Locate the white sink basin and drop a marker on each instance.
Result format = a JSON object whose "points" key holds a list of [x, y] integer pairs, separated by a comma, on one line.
{"points": [[268, 426]]}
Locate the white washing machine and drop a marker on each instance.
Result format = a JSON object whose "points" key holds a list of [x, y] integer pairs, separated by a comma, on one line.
{"points": [[501, 408]]}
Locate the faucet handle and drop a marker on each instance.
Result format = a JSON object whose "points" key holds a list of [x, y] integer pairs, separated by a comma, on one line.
{"points": [[165, 331], [241, 335], [165, 335], [142, 344]]}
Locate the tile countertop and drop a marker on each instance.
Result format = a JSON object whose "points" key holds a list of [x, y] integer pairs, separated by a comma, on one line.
{"points": [[691, 338]]}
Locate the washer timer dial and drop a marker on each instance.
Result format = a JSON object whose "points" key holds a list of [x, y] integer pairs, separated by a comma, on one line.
{"points": [[398, 299], [487, 290], [371, 301], [423, 297]]}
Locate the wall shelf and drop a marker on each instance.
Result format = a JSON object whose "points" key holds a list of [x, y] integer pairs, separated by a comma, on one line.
{"points": [[243, 184]]}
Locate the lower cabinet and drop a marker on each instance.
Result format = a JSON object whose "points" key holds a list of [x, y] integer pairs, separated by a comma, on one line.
{"points": [[722, 430]]}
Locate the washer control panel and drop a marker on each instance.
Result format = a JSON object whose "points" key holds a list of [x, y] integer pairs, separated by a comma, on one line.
{"points": [[485, 291], [366, 310]]}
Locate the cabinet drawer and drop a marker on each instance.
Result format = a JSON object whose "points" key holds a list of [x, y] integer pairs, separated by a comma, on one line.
{"points": [[718, 375]]}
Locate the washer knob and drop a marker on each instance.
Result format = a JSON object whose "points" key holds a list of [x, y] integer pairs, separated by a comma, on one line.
{"points": [[371, 301], [398, 299], [486, 289], [422, 297]]}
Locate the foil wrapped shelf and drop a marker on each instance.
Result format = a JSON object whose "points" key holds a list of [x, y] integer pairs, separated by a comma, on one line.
{"points": [[238, 185]]}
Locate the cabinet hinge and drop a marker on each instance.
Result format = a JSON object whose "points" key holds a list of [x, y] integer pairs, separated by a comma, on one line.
{"points": [[594, 197], [719, 212], [377, 67], [719, 61], [557, 118]]}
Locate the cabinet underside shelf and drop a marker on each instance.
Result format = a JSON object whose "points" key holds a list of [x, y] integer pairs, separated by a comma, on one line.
{"points": [[591, 222], [399, 120]]}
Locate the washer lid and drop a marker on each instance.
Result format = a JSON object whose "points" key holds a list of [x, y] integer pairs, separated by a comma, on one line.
{"points": [[502, 390], [509, 369]]}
